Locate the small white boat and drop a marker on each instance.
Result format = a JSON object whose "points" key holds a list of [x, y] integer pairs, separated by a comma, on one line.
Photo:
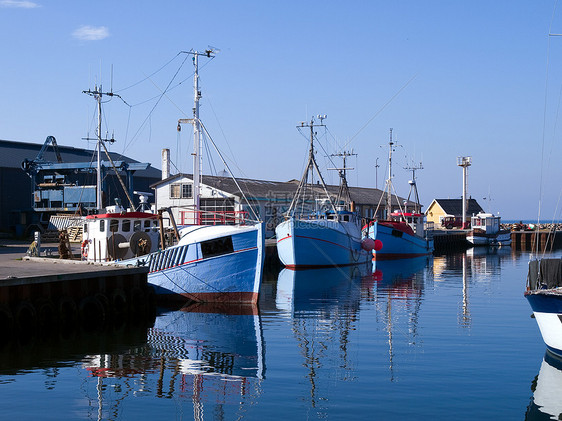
{"points": [[486, 231], [317, 231]]}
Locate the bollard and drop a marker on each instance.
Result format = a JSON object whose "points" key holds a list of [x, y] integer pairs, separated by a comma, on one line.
{"points": [[37, 238]]}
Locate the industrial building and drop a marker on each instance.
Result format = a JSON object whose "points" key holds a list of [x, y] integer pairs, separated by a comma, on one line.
{"points": [[59, 170]]}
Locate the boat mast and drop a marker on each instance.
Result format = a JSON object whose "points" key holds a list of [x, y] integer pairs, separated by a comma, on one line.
{"points": [[389, 180], [413, 185], [197, 138], [99, 203], [343, 194], [97, 94], [197, 160], [311, 166]]}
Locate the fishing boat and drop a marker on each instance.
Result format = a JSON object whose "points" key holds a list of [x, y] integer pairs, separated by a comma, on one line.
{"points": [[544, 293], [486, 231], [319, 231], [209, 263], [403, 233]]}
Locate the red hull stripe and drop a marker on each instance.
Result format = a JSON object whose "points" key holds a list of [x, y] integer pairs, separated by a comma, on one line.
{"points": [[316, 239]]}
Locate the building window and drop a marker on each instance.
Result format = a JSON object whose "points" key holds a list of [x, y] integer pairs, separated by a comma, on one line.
{"points": [[186, 191], [181, 191]]}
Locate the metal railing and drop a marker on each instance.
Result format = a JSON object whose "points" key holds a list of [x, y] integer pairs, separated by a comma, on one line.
{"points": [[203, 217]]}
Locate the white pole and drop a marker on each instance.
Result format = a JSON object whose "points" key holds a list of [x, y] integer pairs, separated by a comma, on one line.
{"points": [[464, 174], [196, 142], [98, 179]]}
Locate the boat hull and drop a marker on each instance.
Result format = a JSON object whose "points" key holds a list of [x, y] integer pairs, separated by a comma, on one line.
{"points": [[184, 272], [547, 310], [502, 238], [397, 244], [319, 243]]}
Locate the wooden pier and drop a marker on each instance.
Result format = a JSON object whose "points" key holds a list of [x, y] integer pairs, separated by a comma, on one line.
{"points": [[527, 240], [449, 241]]}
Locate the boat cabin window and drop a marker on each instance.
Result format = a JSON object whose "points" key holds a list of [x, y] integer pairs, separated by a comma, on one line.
{"points": [[217, 247], [346, 218], [114, 225], [137, 226], [126, 225], [333, 217], [85, 228], [102, 225], [147, 226]]}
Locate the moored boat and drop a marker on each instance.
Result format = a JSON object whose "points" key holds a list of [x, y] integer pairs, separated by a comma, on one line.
{"points": [[486, 231], [318, 231], [210, 263], [544, 293], [403, 234]]}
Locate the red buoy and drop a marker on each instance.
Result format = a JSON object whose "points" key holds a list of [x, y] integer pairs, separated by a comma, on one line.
{"points": [[378, 245]]}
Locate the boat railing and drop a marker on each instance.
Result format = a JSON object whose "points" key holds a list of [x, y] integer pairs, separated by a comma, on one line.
{"points": [[205, 217]]}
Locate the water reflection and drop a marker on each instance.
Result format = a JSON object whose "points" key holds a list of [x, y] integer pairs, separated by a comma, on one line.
{"points": [[208, 358], [478, 264], [400, 285], [211, 356], [322, 305], [547, 389], [324, 289]]}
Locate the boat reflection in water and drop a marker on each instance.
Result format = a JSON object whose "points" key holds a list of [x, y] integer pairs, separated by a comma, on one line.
{"points": [[399, 295], [208, 356], [389, 272], [319, 289], [322, 307], [547, 389]]}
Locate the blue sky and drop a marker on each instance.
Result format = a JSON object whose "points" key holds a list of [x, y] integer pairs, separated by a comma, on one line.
{"points": [[474, 74]]}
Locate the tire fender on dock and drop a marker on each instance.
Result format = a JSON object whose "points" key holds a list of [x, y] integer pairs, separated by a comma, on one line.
{"points": [[26, 316], [68, 311], [119, 303], [91, 312], [6, 320]]}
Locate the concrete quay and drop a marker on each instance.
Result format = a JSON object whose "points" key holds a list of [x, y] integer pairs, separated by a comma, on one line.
{"points": [[38, 293]]}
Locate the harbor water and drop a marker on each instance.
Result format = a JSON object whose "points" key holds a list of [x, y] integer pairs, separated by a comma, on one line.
{"points": [[446, 337]]}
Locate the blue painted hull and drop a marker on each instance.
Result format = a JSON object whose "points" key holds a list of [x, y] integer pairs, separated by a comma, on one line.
{"points": [[547, 309], [182, 272], [319, 243], [397, 244]]}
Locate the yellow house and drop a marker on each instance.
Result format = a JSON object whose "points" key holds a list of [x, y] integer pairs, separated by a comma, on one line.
{"points": [[452, 208]]}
